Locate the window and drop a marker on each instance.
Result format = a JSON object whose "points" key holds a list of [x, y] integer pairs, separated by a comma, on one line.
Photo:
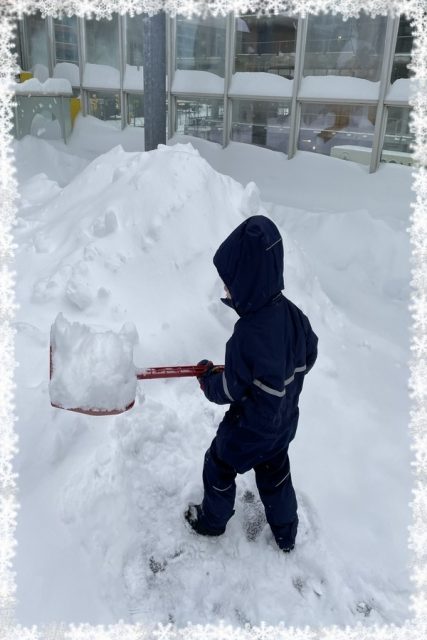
{"points": [[262, 123], [135, 115], [134, 75], [105, 106], [398, 138], [37, 46], [200, 44], [66, 40], [103, 56], [345, 48], [266, 44], [202, 118], [344, 131], [403, 53]]}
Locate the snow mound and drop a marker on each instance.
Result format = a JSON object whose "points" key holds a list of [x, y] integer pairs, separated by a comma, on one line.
{"points": [[92, 369]]}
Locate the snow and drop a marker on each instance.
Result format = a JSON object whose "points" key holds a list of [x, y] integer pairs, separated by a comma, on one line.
{"points": [[101, 76], [51, 87], [258, 83], [197, 82], [91, 369], [401, 90], [68, 70], [108, 235], [134, 78], [339, 88], [40, 72]]}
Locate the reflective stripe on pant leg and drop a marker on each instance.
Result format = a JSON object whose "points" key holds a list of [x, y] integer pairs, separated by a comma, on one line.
{"points": [[274, 482]]}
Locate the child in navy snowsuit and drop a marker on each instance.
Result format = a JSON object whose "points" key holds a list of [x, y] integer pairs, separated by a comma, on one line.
{"points": [[271, 350]]}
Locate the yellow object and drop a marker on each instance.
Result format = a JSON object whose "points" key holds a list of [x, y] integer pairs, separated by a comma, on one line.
{"points": [[25, 75], [75, 106]]}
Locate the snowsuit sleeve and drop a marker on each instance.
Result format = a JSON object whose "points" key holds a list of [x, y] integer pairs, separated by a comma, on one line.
{"points": [[232, 384], [311, 345]]}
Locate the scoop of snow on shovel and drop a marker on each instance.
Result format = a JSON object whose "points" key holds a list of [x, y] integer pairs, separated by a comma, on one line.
{"points": [[92, 369]]}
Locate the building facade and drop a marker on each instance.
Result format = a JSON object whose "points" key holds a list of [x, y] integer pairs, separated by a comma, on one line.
{"points": [[319, 84]]}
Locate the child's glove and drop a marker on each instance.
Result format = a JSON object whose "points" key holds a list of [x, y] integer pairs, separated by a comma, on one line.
{"points": [[210, 369]]}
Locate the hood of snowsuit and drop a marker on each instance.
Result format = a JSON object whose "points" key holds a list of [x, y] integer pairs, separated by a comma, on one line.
{"points": [[250, 263]]}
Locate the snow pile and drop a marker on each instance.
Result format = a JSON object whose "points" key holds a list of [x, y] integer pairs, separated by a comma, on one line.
{"points": [[129, 237], [92, 369]]}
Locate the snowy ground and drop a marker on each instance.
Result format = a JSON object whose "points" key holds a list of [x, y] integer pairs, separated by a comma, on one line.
{"points": [[108, 236]]}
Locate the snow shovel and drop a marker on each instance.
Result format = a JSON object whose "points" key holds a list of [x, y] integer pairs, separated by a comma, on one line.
{"points": [[150, 373]]}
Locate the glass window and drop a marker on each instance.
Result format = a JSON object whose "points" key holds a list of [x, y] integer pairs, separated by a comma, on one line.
{"points": [[66, 40], [202, 118], [105, 106], [135, 31], [103, 56], [266, 44], [135, 115], [345, 48], [134, 78], [37, 46], [200, 44], [344, 131], [17, 44], [263, 123], [398, 138], [402, 56]]}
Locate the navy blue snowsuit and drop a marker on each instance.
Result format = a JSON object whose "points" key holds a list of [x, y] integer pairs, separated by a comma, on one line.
{"points": [[271, 350]]}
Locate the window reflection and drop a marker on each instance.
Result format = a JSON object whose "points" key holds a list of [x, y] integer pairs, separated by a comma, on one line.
{"points": [[200, 44], [135, 30], [135, 115], [348, 48], [266, 44], [201, 118], [102, 42], [37, 46], [66, 42], [327, 129], [403, 53], [262, 123], [105, 106], [398, 138]]}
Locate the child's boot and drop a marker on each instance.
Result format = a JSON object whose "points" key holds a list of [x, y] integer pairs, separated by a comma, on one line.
{"points": [[195, 518]]}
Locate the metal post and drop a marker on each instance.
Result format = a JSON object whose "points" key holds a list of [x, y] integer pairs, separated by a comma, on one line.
{"points": [[381, 117], [171, 57], [154, 47], [81, 44], [298, 71], [122, 64], [51, 45], [228, 74]]}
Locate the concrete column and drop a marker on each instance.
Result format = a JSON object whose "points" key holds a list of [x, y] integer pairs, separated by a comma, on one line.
{"points": [[154, 43]]}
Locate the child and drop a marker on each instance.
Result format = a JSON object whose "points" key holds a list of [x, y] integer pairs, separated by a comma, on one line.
{"points": [[271, 350]]}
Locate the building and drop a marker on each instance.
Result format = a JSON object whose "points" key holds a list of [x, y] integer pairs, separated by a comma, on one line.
{"points": [[318, 84]]}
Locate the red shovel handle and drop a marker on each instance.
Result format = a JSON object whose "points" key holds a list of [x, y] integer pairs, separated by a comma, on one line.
{"points": [[174, 372]]}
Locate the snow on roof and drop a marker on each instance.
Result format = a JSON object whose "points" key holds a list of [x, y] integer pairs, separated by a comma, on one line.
{"points": [[52, 87], [197, 82], [339, 87], [258, 83]]}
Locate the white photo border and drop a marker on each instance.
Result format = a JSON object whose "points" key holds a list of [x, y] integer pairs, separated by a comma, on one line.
{"points": [[414, 628]]}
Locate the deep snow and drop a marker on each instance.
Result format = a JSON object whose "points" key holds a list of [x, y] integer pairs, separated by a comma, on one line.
{"points": [[128, 237]]}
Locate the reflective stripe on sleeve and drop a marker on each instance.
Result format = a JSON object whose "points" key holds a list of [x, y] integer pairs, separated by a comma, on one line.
{"points": [[274, 392], [270, 390], [224, 384]]}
